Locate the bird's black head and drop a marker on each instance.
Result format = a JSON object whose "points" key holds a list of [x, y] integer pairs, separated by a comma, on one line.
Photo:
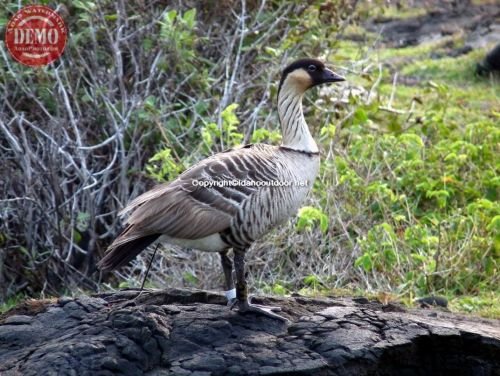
{"points": [[306, 73]]}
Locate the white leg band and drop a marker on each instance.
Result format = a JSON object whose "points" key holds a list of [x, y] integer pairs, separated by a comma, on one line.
{"points": [[230, 294]]}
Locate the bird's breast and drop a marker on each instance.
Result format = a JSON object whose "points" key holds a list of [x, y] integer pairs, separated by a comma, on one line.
{"points": [[276, 203]]}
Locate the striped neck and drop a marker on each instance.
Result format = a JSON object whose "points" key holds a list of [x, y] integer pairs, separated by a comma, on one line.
{"points": [[296, 134]]}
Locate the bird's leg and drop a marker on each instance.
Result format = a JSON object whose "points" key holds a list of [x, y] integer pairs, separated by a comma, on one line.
{"points": [[242, 293], [227, 267]]}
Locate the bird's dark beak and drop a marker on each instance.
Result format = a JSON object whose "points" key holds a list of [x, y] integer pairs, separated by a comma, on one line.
{"points": [[329, 76]]}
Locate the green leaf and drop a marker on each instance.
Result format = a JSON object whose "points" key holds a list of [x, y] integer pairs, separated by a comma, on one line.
{"points": [[163, 167], [190, 278], [360, 116], [364, 261], [440, 195], [82, 221], [279, 289], [88, 6], [170, 16], [229, 116], [494, 225], [147, 44], [77, 237], [271, 51], [111, 17], [260, 135], [328, 131], [411, 139], [309, 216], [190, 18]]}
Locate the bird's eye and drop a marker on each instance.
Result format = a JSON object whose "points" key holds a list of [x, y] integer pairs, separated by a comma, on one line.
{"points": [[311, 68]]}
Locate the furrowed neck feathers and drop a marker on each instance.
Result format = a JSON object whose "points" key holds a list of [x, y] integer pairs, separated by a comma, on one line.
{"points": [[296, 134]]}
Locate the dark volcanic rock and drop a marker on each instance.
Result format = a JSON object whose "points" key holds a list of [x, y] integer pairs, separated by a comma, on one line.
{"points": [[180, 332], [479, 24]]}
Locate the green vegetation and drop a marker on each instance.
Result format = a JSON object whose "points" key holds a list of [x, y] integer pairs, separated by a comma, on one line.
{"points": [[11, 302], [407, 199]]}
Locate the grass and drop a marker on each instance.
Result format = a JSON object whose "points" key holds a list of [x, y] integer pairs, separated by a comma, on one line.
{"points": [[484, 305], [348, 51], [418, 51], [393, 11], [452, 70], [11, 302]]}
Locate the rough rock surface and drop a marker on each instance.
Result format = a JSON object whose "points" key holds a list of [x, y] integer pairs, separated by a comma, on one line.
{"points": [[478, 23], [178, 332]]}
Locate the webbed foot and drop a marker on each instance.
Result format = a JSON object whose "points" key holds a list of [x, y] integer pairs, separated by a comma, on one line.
{"points": [[245, 306]]}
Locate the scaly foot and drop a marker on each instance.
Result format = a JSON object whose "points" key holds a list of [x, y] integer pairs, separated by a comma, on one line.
{"points": [[245, 306]]}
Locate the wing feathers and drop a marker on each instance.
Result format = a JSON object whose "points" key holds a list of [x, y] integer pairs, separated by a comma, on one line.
{"points": [[181, 209], [119, 255]]}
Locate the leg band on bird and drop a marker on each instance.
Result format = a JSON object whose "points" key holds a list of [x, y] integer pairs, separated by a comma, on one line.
{"points": [[230, 294]]}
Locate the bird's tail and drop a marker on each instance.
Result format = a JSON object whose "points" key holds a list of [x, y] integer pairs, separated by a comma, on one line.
{"points": [[124, 250]]}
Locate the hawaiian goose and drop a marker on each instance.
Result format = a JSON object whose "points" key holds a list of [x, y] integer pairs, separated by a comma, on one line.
{"points": [[201, 210]]}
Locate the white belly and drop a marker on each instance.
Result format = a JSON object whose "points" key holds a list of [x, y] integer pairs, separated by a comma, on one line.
{"points": [[210, 243]]}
